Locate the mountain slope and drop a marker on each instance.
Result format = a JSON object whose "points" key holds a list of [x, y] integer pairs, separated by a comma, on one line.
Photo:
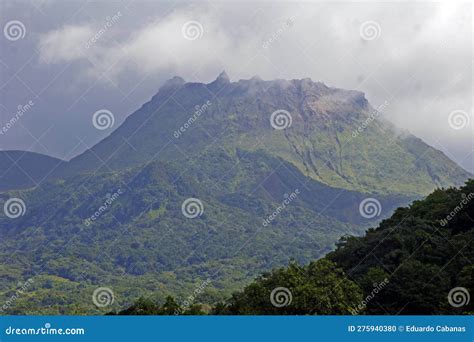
{"points": [[335, 136], [20, 169], [142, 237], [419, 261], [265, 196]]}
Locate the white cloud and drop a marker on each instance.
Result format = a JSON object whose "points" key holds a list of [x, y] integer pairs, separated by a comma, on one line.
{"points": [[161, 45], [65, 44], [420, 62]]}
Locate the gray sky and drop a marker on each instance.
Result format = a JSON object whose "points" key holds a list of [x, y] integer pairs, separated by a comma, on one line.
{"points": [[78, 57]]}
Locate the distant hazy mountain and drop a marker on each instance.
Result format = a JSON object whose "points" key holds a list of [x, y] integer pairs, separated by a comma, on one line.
{"points": [[20, 169]]}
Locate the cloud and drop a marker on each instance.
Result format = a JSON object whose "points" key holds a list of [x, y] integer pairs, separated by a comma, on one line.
{"points": [[65, 44], [167, 45], [322, 41], [419, 62]]}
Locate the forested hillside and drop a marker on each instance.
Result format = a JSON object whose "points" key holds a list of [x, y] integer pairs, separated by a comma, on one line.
{"points": [[419, 261]]}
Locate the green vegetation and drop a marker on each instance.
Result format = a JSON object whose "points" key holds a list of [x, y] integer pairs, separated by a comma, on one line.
{"points": [[120, 224], [408, 265], [319, 288], [149, 307], [422, 258], [141, 244]]}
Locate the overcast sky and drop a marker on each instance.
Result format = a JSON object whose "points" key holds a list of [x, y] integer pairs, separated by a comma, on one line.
{"points": [[72, 58]]}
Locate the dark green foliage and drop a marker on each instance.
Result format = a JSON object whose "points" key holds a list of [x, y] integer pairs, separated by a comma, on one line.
{"points": [[319, 288], [145, 306], [422, 257], [408, 265]]}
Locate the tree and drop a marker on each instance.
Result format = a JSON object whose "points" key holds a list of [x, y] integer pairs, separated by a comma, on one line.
{"points": [[318, 288]]}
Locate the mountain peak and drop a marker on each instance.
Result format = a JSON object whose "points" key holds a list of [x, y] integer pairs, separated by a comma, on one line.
{"points": [[175, 81], [221, 81], [329, 127], [169, 87], [223, 77]]}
